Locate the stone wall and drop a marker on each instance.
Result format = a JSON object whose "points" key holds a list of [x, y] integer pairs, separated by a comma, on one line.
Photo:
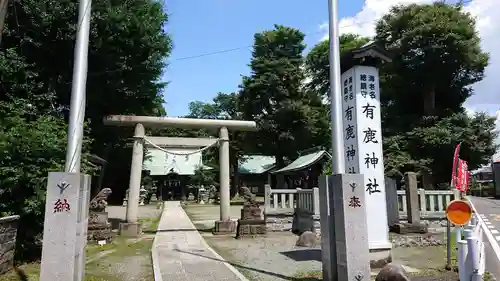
{"points": [[8, 233], [283, 222]]}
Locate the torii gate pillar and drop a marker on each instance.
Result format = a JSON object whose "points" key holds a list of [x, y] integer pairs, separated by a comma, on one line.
{"points": [[225, 224], [224, 174], [135, 174]]}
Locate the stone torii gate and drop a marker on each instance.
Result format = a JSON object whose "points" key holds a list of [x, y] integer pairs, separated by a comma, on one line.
{"points": [[131, 227]]}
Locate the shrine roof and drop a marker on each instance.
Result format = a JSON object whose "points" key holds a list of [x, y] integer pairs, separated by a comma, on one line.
{"points": [[304, 161], [256, 164]]}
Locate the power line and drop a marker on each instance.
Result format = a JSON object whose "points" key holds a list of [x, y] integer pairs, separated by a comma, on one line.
{"points": [[223, 51], [462, 2]]}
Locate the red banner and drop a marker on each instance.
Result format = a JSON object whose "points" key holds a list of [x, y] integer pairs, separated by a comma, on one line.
{"points": [[462, 178], [455, 164]]}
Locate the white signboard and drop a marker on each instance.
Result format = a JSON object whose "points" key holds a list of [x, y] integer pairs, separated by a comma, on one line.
{"points": [[363, 146]]}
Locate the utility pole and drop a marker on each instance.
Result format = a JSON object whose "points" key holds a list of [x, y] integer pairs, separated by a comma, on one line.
{"points": [[78, 89], [3, 15], [65, 235], [338, 162]]}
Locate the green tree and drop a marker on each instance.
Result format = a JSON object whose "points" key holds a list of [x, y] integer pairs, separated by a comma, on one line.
{"points": [[436, 59], [203, 177], [127, 52], [30, 147], [429, 148], [224, 106], [289, 117], [317, 61]]}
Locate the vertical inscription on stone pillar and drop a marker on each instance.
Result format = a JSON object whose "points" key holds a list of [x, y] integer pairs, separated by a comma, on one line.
{"points": [[363, 146], [351, 239]]}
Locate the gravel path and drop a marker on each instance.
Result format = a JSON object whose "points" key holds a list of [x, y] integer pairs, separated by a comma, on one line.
{"points": [[271, 258]]}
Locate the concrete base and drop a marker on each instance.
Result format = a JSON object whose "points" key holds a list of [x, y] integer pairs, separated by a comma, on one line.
{"points": [[379, 258], [130, 229], [250, 228], [404, 228], [225, 227]]}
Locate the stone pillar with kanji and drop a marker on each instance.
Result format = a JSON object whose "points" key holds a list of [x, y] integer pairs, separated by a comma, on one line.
{"points": [[363, 139]]}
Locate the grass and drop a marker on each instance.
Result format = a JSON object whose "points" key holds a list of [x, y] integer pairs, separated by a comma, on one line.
{"points": [[103, 258], [318, 275], [239, 200], [309, 276], [99, 269], [454, 251], [150, 225]]}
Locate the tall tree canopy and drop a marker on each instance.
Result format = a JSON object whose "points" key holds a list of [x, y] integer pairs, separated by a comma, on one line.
{"points": [[289, 117], [224, 106], [317, 61], [436, 59], [127, 54]]}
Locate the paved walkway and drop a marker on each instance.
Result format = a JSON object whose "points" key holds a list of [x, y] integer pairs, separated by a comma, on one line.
{"points": [[182, 254]]}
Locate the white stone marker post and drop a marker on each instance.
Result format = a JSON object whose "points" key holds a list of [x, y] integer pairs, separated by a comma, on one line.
{"points": [[363, 146], [65, 233], [344, 241], [83, 224]]}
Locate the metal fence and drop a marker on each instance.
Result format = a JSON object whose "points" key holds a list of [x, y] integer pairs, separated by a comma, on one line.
{"points": [[470, 249]]}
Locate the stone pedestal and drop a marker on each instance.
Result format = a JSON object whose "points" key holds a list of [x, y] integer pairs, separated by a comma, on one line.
{"points": [[130, 229], [250, 212], [98, 227], [405, 228], [251, 222], [224, 227], [8, 233], [250, 228]]}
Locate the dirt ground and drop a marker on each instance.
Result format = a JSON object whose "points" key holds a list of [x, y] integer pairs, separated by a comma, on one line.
{"points": [[122, 260], [275, 256]]}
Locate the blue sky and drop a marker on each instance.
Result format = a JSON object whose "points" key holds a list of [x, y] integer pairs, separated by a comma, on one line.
{"points": [[206, 26]]}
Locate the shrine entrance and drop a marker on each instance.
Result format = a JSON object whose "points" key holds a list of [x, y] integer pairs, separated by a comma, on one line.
{"points": [[140, 122], [171, 188]]}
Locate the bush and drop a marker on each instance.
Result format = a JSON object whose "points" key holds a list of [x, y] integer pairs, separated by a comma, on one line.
{"points": [[30, 147], [481, 190]]}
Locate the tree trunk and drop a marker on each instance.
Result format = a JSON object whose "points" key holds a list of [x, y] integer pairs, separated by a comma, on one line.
{"points": [[429, 102], [3, 15], [235, 183]]}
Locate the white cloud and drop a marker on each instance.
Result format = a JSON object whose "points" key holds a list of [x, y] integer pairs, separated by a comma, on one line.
{"points": [[487, 98], [363, 23], [487, 92]]}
